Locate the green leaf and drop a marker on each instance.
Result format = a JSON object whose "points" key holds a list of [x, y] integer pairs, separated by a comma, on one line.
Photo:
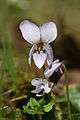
{"points": [[33, 103], [42, 102], [49, 106], [38, 107], [33, 107]]}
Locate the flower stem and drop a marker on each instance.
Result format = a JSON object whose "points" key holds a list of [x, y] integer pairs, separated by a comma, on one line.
{"points": [[58, 112], [67, 95]]}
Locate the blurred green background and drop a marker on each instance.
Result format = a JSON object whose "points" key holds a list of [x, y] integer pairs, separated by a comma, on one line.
{"points": [[15, 73]]}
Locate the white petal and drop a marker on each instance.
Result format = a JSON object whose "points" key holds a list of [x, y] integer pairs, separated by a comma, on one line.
{"points": [[47, 88], [36, 82], [49, 51], [37, 90], [48, 32], [30, 32], [56, 61], [39, 59], [39, 95], [30, 54], [48, 72]]}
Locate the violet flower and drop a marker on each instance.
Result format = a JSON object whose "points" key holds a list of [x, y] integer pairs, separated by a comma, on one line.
{"points": [[39, 37], [41, 86]]}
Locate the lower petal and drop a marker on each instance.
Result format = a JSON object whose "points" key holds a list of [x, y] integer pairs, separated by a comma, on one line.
{"points": [[39, 59]]}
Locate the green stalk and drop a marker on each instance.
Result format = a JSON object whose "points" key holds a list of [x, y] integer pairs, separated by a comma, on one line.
{"points": [[67, 96], [58, 112]]}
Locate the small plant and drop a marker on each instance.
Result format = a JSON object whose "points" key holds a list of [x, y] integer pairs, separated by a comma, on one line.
{"points": [[42, 61]]}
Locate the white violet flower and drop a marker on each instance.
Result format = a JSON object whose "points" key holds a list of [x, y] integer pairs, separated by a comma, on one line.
{"points": [[42, 86], [39, 37]]}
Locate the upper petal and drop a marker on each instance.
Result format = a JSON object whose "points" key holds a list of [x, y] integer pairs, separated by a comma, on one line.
{"points": [[48, 32], [37, 82], [30, 32]]}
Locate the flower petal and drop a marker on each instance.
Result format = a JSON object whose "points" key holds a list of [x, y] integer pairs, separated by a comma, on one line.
{"points": [[36, 82], [37, 90], [49, 51], [48, 32], [30, 54], [39, 59], [49, 71], [47, 88], [30, 32], [39, 95]]}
